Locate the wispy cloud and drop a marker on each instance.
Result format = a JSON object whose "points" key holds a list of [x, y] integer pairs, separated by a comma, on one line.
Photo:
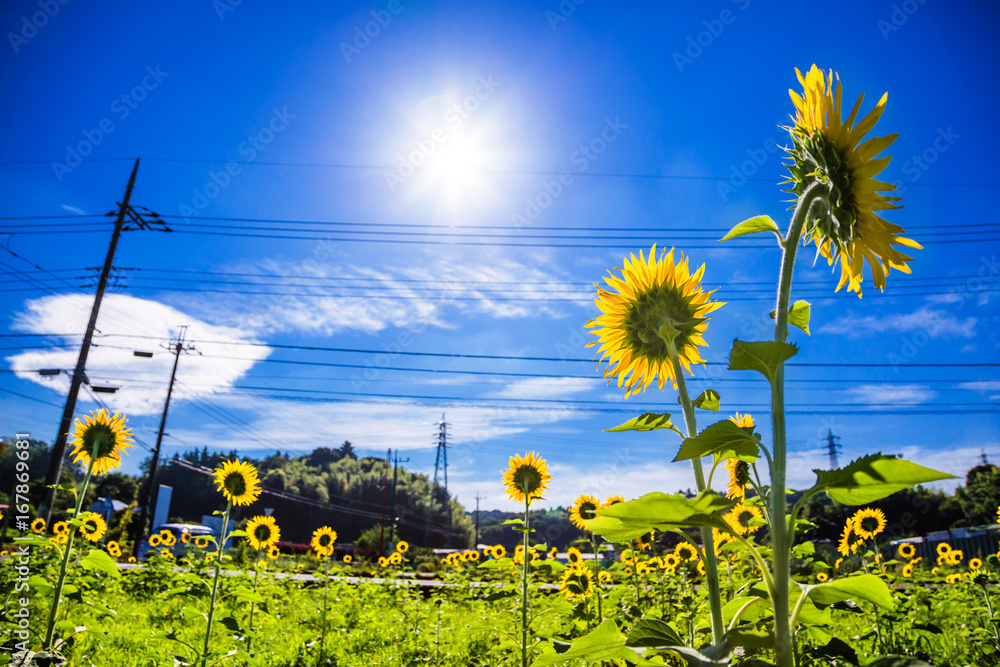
{"points": [[936, 323], [547, 388], [895, 394], [73, 209], [142, 382]]}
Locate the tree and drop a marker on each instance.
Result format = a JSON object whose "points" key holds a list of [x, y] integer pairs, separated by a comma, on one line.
{"points": [[980, 496], [347, 450]]}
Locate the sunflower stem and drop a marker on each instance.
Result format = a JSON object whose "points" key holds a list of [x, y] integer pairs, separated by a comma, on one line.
{"points": [[215, 584], [326, 591], [57, 593], [708, 544], [597, 577], [525, 559], [256, 574], [781, 534]]}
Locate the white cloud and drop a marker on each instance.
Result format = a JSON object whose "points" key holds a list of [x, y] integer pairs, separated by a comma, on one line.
{"points": [[436, 292], [981, 385], [142, 382], [74, 209], [547, 388], [897, 394], [936, 323]]}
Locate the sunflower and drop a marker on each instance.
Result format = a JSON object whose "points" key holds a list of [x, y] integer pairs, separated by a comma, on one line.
{"points": [[104, 432], [645, 542], [955, 556], [821, 577], [577, 583], [868, 522], [262, 532], [167, 538], [906, 550], [701, 567], [743, 421], [943, 549], [38, 526], [185, 537], [322, 541], [60, 538], [836, 563], [553, 552], [739, 479], [499, 551], [164, 553], [238, 482], [403, 547], [273, 552], [829, 149], [670, 561], [574, 556], [60, 528], [397, 558], [526, 477], [907, 570], [650, 294], [348, 558], [93, 526], [613, 500], [975, 564], [114, 549], [473, 556], [201, 541], [849, 539], [383, 561], [685, 551], [583, 510], [740, 516], [131, 559]]}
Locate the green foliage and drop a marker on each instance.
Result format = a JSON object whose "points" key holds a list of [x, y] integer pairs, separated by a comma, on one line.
{"points": [[759, 223], [649, 421], [724, 440], [980, 496], [873, 477], [764, 357]]}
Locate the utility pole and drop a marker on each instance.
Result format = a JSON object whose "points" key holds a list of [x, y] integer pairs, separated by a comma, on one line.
{"points": [[392, 514], [58, 452], [147, 489], [478, 498], [385, 488], [831, 447]]}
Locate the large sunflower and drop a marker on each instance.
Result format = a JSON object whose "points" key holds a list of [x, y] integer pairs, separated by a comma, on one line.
{"points": [[739, 479], [740, 516], [262, 532], [649, 294], [322, 541], [526, 477], [107, 433], [868, 522], [831, 150], [238, 482], [577, 583], [583, 510], [93, 526]]}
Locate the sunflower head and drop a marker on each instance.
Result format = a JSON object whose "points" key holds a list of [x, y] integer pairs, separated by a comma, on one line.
{"points": [[262, 532], [403, 546], [499, 551], [323, 540], [868, 522], [943, 549], [739, 479], [908, 570], [577, 583], [348, 558], [526, 477], [584, 509], [201, 541], [850, 539], [273, 552], [100, 439], [114, 549], [613, 500], [645, 541], [656, 304], [60, 528], [38, 525], [238, 482], [740, 517], [828, 149], [906, 550], [685, 551], [185, 537], [92, 526], [670, 561], [574, 556], [821, 577], [975, 564]]}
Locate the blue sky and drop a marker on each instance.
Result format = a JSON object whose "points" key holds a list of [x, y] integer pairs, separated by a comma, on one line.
{"points": [[451, 146]]}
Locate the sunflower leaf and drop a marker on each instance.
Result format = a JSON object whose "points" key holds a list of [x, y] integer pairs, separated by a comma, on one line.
{"points": [[873, 477], [707, 400], [764, 357], [798, 315], [649, 421], [660, 511], [724, 437], [652, 632], [758, 223], [238, 533], [866, 587], [100, 561], [604, 644]]}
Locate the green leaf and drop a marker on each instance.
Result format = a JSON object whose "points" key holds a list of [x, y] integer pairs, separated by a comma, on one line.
{"points": [[759, 223], [605, 643], [764, 357], [626, 521], [496, 564], [798, 315], [519, 522], [652, 632], [649, 421], [866, 587], [244, 593], [873, 477], [231, 624], [238, 533], [898, 661], [100, 561], [724, 436], [707, 400]]}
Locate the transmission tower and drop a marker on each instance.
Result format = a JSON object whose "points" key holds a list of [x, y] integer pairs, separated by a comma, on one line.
{"points": [[440, 464], [832, 447]]}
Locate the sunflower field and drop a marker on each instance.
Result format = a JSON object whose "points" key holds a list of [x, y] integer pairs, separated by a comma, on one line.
{"points": [[727, 575]]}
